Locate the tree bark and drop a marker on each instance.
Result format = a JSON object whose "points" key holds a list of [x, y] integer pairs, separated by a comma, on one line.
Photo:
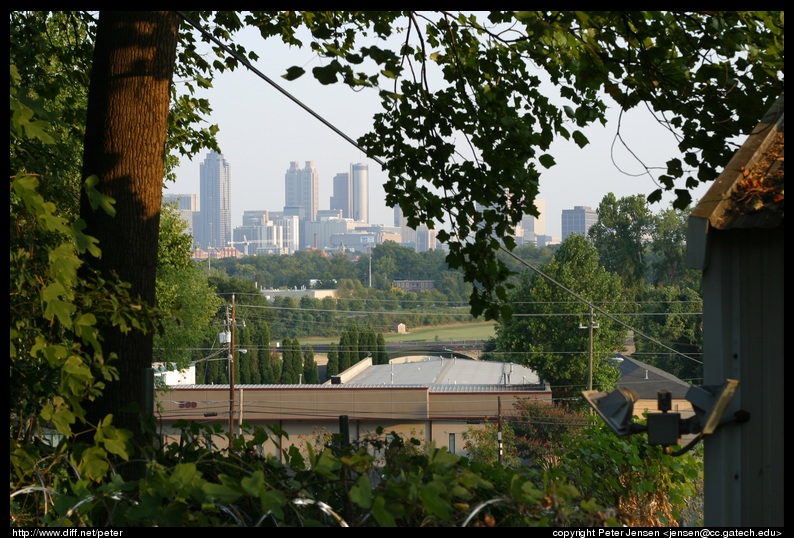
{"points": [[127, 122]]}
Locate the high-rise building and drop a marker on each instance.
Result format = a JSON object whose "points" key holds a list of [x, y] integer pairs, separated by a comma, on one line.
{"points": [[577, 220], [535, 227], [302, 189], [322, 231], [212, 225], [186, 204], [420, 239], [407, 234], [256, 217], [425, 239], [359, 192], [340, 199], [290, 226]]}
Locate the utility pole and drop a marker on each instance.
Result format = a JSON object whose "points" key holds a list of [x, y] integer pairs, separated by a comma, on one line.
{"points": [[231, 379], [590, 326], [499, 430]]}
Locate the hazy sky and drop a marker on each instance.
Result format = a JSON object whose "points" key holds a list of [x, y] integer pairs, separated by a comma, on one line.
{"points": [[262, 131]]}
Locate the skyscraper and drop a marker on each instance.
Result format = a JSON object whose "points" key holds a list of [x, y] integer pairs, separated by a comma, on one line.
{"points": [[577, 220], [359, 192], [539, 225], [186, 204], [302, 189], [407, 234], [212, 225], [535, 226], [340, 199], [425, 239]]}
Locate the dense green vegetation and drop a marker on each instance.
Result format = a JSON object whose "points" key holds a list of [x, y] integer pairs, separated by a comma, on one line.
{"points": [[90, 146]]}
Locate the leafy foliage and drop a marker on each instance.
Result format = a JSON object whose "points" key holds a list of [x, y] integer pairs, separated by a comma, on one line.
{"points": [[332, 366], [621, 235], [195, 484], [646, 486], [546, 332], [544, 430], [183, 291], [667, 251], [493, 443], [674, 316], [473, 101], [56, 355]]}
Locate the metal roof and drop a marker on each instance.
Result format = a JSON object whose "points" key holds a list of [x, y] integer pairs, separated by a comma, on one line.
{"points": [[427, 371], [647, 380]]}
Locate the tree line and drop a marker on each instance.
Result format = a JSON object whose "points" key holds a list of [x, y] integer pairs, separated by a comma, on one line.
{"points": [[629, 268]]}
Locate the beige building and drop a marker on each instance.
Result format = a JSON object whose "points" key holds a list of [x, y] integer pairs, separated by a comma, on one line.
{"points": [[432, 399], [296, 293]]}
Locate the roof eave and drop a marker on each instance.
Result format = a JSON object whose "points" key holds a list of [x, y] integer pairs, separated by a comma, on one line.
{"points": [[712, 210]]}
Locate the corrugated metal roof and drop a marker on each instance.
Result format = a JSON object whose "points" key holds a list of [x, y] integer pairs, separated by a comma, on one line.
{"points": [[445, 372]]}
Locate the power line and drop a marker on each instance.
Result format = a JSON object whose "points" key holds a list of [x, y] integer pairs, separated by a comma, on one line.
{"points": [[243, 60], [594, 307]]}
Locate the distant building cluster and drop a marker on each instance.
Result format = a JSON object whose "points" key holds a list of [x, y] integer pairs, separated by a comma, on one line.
{"points": [[302, 225]]}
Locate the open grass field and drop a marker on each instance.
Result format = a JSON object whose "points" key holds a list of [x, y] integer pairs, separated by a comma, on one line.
{"points": [[457, 332]]}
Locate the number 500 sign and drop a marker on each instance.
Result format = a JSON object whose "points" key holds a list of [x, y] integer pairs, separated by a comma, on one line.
{"points": [[186, 405]]}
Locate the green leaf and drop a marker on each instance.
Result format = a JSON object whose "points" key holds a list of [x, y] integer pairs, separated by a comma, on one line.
{"points": [[435, 501], [98, 199], [222, 493], [580, 139], [273, 501], [547, 160], [382, 514], [38, 130], [361, 492], [326, 74], [253, 484], [93, 464], [294, 72]]}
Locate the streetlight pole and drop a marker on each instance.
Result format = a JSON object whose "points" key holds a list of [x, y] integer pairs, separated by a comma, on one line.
{"points": [[209, 257], [233, 324], [231, 380]]}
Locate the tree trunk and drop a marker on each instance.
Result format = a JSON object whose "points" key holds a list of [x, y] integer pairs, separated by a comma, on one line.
{"points": [[127, 122]]}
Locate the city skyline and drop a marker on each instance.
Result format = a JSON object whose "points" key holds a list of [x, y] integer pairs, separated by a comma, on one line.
{"points": [[349, 201], [261, 131]]}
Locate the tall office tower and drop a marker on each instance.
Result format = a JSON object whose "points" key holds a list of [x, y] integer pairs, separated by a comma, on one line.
{"points": [[408, 235], [340, 199], [540, 222], [359, 192], [302, 189], [577, 220], [213, 224], [186, 204], [290, 226], [535, 226], [425, 239]]}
